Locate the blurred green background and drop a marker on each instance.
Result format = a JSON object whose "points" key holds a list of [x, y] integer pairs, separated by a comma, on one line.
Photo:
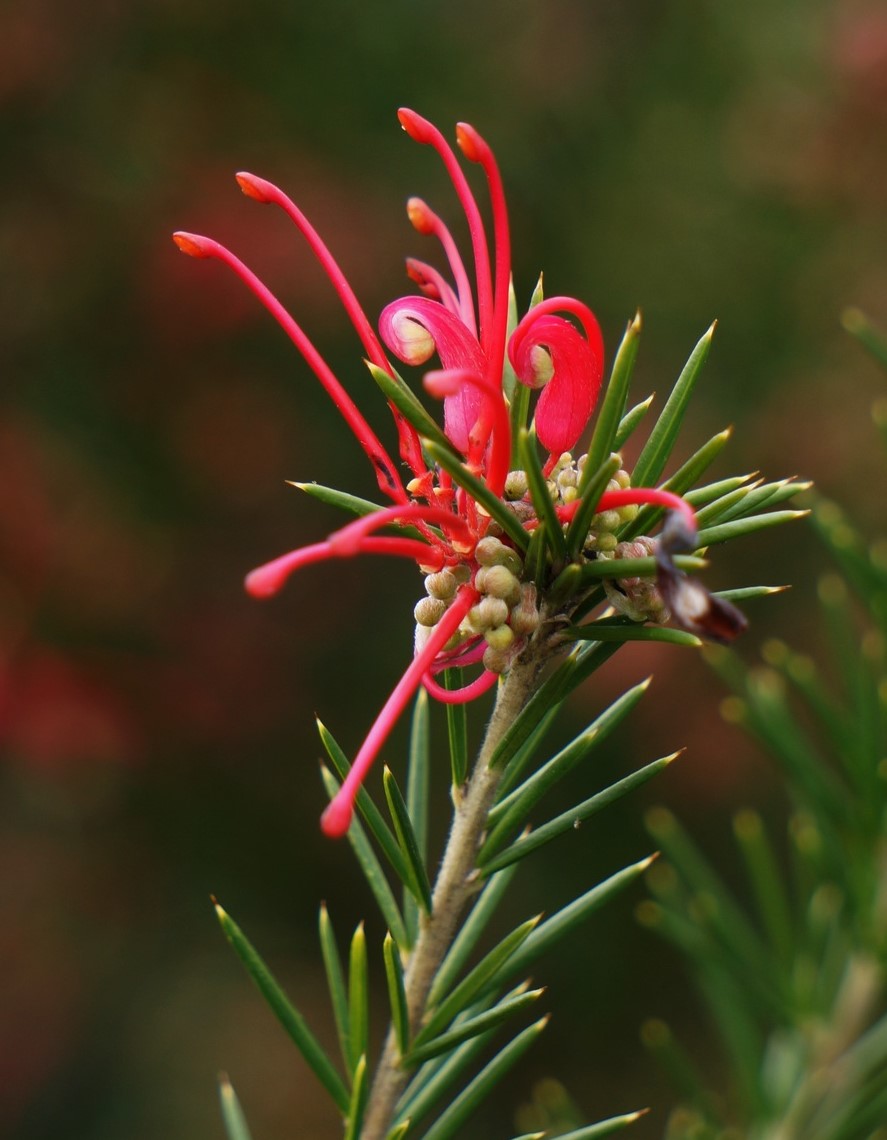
{"points": [[697, 159]]}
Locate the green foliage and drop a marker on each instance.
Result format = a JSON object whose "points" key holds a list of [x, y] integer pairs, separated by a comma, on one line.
{"points": [[794, 975], [444, 1053]]}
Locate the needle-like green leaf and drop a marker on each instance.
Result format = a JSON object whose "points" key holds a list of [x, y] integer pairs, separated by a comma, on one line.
{"points": [[590, 493], [358, 999], [372, 870], [511, 811], [336, 984], [472, 1027], [634, 631], [340, 499], [654, 456], [613, 404], [459, 1110], [631, 421], [457, 729], [417, 876], [398, 392], [470, 932], [539, 493], [359, 1092], [418, 775], [604, 1127], [571, 819], [232, 1114], [286, 1013], [368, 811], [711, 535], [568, 918], [466, 991], [397, 997]]}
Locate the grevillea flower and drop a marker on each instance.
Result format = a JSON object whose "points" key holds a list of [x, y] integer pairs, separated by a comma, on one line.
{"points": [[464, 516]]}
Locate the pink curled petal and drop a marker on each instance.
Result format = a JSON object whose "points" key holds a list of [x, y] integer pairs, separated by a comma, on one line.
{"points": [[477, 688], [456, 347], [569, 396]]}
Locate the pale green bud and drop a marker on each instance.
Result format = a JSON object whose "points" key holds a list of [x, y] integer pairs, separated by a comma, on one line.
{"points": [[499, 582], [488, 613], [516, 485], [429, 611], [499, 638], [441, 585], [606, 543]]}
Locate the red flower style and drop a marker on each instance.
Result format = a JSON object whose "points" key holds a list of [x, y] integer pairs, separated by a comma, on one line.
{"points": [[478, 610]]}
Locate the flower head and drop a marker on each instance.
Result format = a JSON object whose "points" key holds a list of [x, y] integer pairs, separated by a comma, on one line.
{"points": [[466, 514]]}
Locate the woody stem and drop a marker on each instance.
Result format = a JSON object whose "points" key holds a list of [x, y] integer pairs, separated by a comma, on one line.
{"points": [[452, 890]]}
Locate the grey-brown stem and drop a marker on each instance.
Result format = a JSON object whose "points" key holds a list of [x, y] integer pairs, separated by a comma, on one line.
{"points": [[452, 889]]}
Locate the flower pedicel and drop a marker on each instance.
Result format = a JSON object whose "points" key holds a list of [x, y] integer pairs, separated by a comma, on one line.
{"points": [[466, 516]]}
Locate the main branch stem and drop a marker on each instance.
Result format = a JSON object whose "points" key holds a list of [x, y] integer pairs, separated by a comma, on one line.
{"points": [[452, 889]]}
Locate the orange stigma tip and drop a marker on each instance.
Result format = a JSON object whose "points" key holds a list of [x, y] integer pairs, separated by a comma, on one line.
{"points": [[468, 141], [251, 186], [336, 820], [192, 244], [418, 213], [414, 125]]}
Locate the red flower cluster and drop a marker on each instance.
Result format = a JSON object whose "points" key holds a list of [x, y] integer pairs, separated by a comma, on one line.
{"points": [[478, 609]]}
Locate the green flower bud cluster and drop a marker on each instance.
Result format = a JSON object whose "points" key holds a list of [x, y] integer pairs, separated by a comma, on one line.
{"points": [[504, 615], [637, 598], [441, 589], [601, 538]]}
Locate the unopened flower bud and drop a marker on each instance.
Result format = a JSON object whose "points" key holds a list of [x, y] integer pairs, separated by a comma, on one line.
{"points": [[500, 637], [429, 611], [524, 619], [516, 485], [441, 585], [488, 613], [499, 582], [622, 479], [496, 660], [491, 552], [606, 543], [606, 520]]}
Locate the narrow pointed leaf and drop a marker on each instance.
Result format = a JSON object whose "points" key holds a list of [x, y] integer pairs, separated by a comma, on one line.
{"points": [[520, 406], [613, 403], [358, 998], [766, 882], [529, 455], [525, 754], [699, 496], [631, 421], [336, 984], [340, 499], [510, 812], [437, 1077], [232, 1114], [568, 918], [748, 593], [467, 1102], [635, 567], [656, 451], [418, 775], [479, 491], [398, 392], [611, 631], [372, 870], [727, 531], [536, 557], [604, 1127], [470, 932], [465, 992], [457, 729], [417, 876], [356, 1108], [286, 1013], [859, 325], [397, 997], [569, 820], [399, 1131], [472, 1027], [371, 815], [679, 483]]}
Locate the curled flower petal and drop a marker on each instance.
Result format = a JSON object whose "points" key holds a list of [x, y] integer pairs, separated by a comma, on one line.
{"points": [[455, 346], [570, 391]]}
